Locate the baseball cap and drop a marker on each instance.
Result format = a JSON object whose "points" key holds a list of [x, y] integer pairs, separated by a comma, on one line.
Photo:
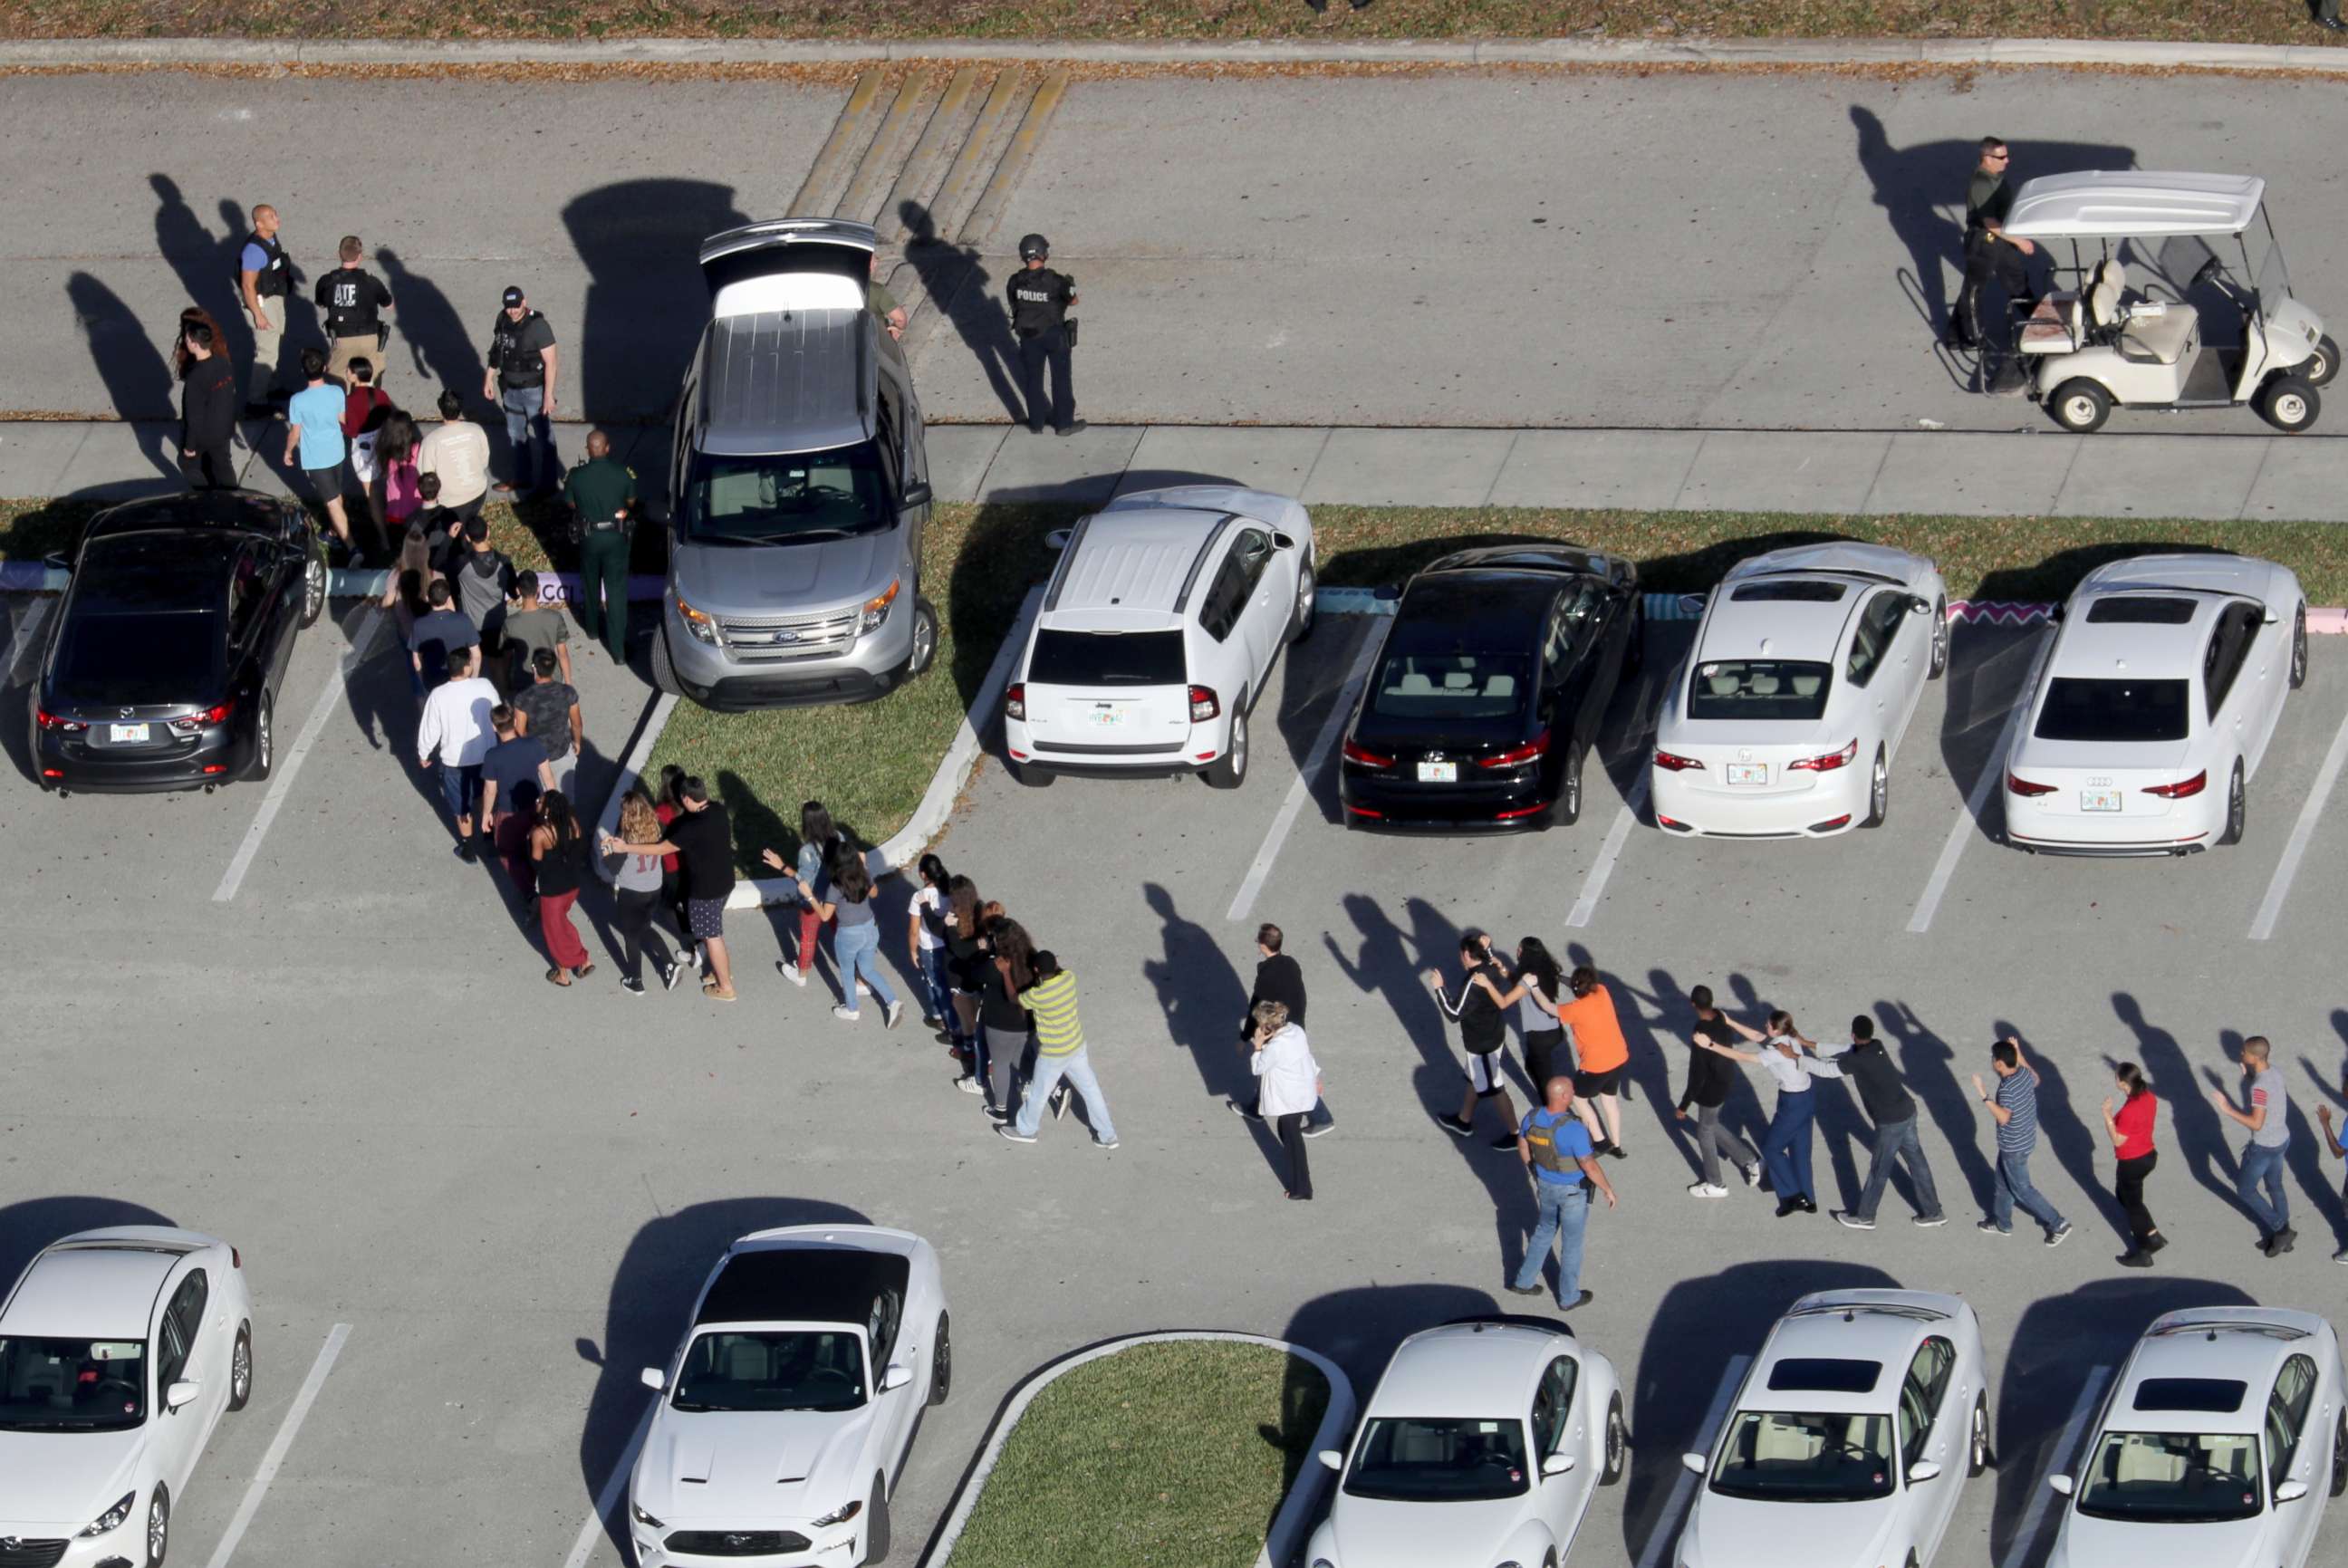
{"points": [[513, 296]]}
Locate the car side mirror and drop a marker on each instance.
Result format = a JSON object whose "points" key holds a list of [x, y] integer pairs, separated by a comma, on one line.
{"points": [[1058, 538], [2291, 1492], [1918, 605], [1332, 1458], [1556, 1464], [1923, 1470], [185, 1390], [2061, 1483], [1697, 1463], [653, 1378], [895, 1378], [55, 562], [916, 494], [2269, 617], [1282, 541], [2054, 612]]}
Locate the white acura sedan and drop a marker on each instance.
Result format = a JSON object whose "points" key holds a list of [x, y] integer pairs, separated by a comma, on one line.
{"points": [[1865, 1414], [1483, 1444], [1807, 666], [2216, 1447], [2157, 701], [786, 1411], [120, 1349]]}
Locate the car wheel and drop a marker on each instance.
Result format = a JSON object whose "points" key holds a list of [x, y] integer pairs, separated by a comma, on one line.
{"points": [[1879, 791], [2318, 368], [2080, 406], [941, 1361], [1977, 1444], [1618, 1445], [2339, 1455], [1940, 665], [239, 1368], [663, 670], [925, 638], [2289, 404], [265, 739], [876, 1531], [1300, 626], [1230, 772], [314, 586], [2238, 809], [159, 1526], [2299, 648], [1568, 809]]}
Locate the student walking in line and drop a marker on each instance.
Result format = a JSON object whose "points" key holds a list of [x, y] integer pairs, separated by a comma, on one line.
{"points": [[558, 851], [440, 630], [1603, 1056], [314, 430], [1000, 1046], [1555, 1145], [2129, 1126], [1060, 1056], [548, 708], [2014, 1105], [533, 624], [1710, 1081], [965, 965], [1536, 992], [208, 408], [844, 897], [2331, 1143], [395, 491], [820, 844], [406, 594], [2268, 1118], [1290, 1082], [454, 735], [636, 888], [514, 778], [1483, 1030], [1788, 1056], [1279, 978], [666, 806], [703, 834], [365, 405], [1893, 1109], [458, 451], [925, 941]]}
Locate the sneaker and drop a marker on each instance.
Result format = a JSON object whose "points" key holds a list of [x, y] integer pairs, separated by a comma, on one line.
{"points": [[1584, 1299], [358, 560], [1012, 1133], [1706, 1190], [631, 986], [1849, 1220], [2059, 1235], [1809, 1205], [1111, 1143], [1506, 1141], [790, 972], [1788, 1206], [2339, 1257], [467, 852], [670, 975], [844, 1012], [1319, 1129], [1071, 427], [693, 958], [1615, 1151], [862, 989], [996, 1113], [931, 1021], [2282, 1242], [1453, 1124], [2134, 1260], [1524, 1289], [1751, 1174], [2154, 1244], [1992, 1228], [968, 1083], [1060, 1102], [1926, 1222], [893, 1012]]}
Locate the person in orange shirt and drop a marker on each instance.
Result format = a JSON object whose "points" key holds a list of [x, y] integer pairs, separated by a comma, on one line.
{"points": [[1601, 1053]]}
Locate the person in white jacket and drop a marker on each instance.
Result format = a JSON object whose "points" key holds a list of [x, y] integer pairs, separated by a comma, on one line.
{"points": [[456, 733], [1291, 1087]]}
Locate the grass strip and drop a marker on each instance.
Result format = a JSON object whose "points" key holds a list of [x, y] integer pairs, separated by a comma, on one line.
{"points": [[1170, 1455]]}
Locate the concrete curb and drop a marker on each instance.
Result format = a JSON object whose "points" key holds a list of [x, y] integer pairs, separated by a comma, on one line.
{"points": [[1282, 1541], [1950, 53]]}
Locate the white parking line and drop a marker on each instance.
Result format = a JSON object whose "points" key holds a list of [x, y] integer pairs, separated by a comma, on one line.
{"points": [[2301, 831], [1594, 885], [1302, 789], [28, 630], [282, 783], [606, 1500], [1967, 826], [2017, 1550], [1674, 1507], [280, 1444]]}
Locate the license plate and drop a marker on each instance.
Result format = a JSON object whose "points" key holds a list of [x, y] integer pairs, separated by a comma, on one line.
{"points": [[1107, 717], [1748, 773], [1438, 773], [2099, 800], [126, 734]]}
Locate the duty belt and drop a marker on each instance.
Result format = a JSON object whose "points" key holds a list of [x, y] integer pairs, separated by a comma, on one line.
{"points": [[608, 524]]}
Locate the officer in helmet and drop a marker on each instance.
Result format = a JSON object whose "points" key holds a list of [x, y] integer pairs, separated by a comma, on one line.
{"points": [[1040, 300]]}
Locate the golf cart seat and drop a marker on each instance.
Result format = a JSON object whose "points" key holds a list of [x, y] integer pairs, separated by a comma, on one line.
{"points": [[2159, 338]]}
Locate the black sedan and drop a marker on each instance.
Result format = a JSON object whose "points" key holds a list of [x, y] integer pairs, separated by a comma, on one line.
{"points": [[162, 666], [1487, 694]]}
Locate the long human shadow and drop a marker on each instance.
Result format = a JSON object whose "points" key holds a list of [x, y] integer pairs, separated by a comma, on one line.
{"points": [[29, 1226], [2199, 1133], [204, 264], [2064, 1134], [646, 301], [137, 377], [439, 350], [2303, 1156], [956, 279], [1203, 999], [1930, 1065], [652, 1289]]}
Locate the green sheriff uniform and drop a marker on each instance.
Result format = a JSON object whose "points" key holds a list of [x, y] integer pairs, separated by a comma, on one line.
{"points": [[603, 494]]}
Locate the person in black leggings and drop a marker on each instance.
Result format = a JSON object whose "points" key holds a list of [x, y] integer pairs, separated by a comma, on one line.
{"points": [[2130, 1128], [637, 892], [1009, 963]]}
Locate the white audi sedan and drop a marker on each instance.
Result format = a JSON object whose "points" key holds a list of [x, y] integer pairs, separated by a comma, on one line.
{"points": [[1483, 1445], [2215, 1447], [1864, 1414], [786, 1411], [1807, 669], [120, 1349], [2155, 704]]}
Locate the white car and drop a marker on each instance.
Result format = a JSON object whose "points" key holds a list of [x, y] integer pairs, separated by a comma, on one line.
{"points": [[120, 1349], [1158, 632], [1806, 670], [2216, 1446], [2158, 699], [1484, 1443], [1856, 1428], [786, 1412]]}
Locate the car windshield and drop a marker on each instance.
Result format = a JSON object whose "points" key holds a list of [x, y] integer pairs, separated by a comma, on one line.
{"points": [[1106, 659], [772, 1369], [1453, 685], [1439, 1460], [1790, 689], [72, 1385], [2173, 1478], [1781, 1456], [778, 500], [2098, 709], [160, 656]]}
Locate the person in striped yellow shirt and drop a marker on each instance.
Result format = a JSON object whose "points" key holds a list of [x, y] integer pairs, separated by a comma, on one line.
{"points": [[1059, 1053]]}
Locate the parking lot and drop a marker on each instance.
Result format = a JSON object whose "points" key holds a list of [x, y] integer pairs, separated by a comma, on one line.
{"points": [[350, 1066]]}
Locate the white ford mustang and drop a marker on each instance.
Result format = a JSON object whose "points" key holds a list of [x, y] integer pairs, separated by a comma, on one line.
{"points": [[786, 1411], [1482, 1446]]}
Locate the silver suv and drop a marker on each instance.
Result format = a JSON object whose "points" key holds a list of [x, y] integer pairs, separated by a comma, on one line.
{"points": [[800, 484]]}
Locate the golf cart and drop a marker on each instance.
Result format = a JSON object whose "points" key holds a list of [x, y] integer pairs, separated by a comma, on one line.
{"points": [[2151, 310]]}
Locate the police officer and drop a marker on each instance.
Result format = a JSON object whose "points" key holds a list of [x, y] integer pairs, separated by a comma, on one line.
{"points": [[520, 379], [264, 278], [1040, 299], [351, 299], [602, 492]]}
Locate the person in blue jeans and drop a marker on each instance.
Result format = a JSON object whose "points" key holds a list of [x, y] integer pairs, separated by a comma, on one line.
{"points": [[2014, 1105], [845, 898], [520, 378], [1554, 1143], [2268, 1118], [1788, 1056], [925, 947]]}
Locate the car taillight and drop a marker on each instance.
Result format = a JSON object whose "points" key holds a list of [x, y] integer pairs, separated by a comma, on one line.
{"points": [[1519, 811], [218, 714], [1827, 764], [1518, 756], [1363, 810], [1015, 701], [1203, 706], [2182, 788], [2016, 785], [1355, 752], [49, 720], [1672, 762]]}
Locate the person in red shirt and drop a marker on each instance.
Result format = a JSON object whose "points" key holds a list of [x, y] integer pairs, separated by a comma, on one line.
{"points": [[363, 398], [1601, 1053], [2131, 1128]]}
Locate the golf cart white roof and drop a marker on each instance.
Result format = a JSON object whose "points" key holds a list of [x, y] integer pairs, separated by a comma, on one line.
{"points": [[2134, 204]]}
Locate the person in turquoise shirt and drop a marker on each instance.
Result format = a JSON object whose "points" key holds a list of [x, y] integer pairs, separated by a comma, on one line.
{"points": [[313, 427]]}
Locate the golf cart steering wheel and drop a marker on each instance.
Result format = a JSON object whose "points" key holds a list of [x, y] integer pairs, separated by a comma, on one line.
{"points": [[2207, 271]]}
